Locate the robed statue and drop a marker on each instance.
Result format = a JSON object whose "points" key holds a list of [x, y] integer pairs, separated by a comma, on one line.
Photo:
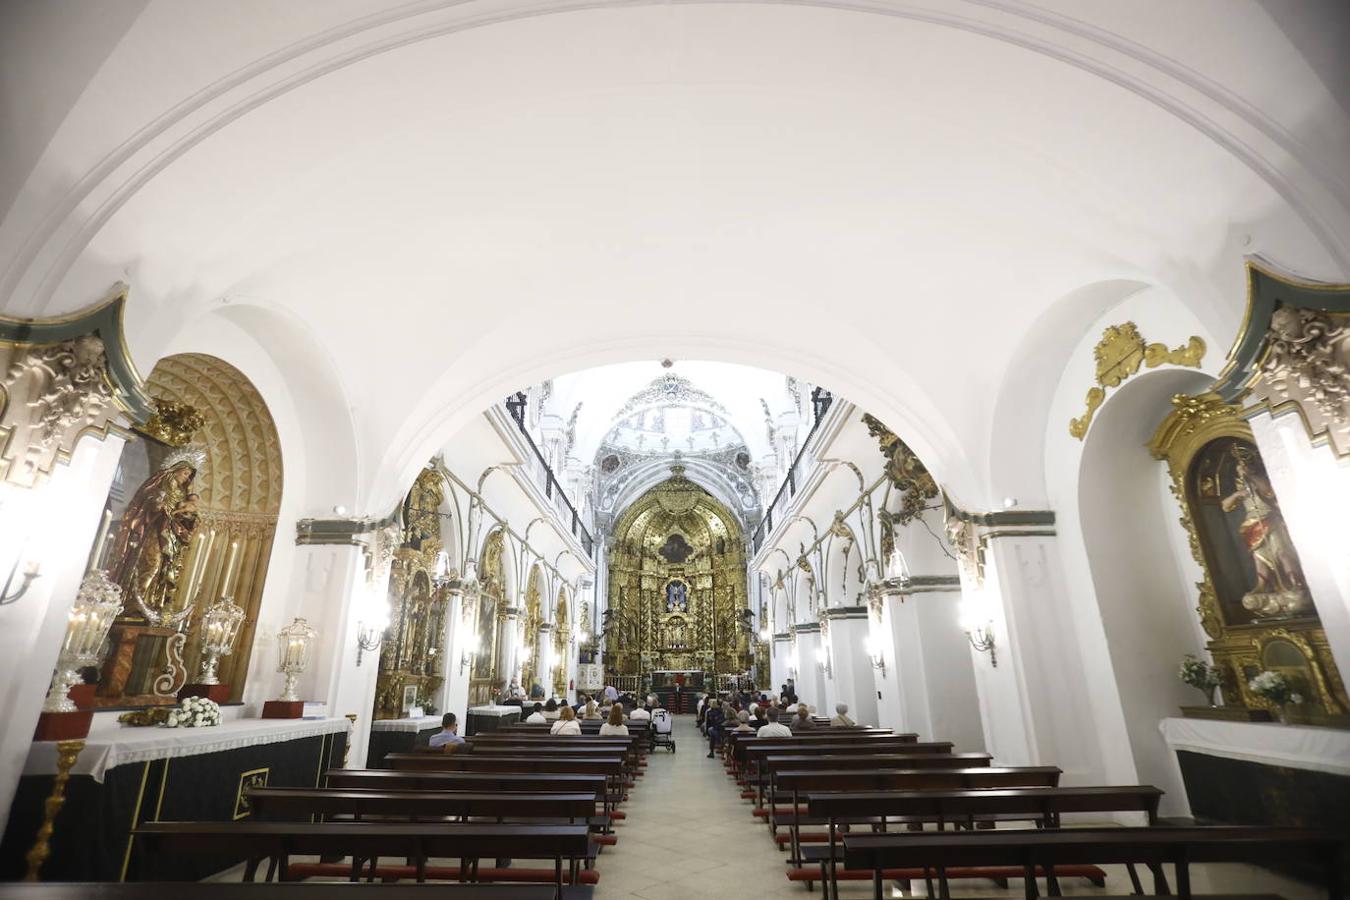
{"points": [[1280, 588], [154, 534]]}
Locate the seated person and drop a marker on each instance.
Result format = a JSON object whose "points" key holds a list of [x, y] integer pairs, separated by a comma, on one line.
{"points": [[774, 729], [591, 711], [713, 719], [449, 733], [642, 713], [760, 719], [841, 719], [551, 710], [567, 723], [537, 717], [803, 721], [742, 723], [614, 726]]}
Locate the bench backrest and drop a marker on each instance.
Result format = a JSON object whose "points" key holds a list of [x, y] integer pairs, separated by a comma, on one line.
{"points": [[280, 803], [807, 780], [1045, 803], [392, 780]]}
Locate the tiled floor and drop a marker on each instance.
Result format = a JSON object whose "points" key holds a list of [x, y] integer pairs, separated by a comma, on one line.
{"points": [[688, 836]]}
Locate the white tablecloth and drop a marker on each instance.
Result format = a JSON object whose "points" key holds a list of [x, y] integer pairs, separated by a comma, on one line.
{"points": [[108, 749], [414, 725], [1295, 746], [496, 711]]}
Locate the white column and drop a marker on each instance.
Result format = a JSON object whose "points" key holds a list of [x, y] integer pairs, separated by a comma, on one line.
{"points": [[778, 662], [459, 663], [810, 676], [853, 681], [1037, 703], [52, 525]]}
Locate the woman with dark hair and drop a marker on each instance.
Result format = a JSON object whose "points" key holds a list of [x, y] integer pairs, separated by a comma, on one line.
{"points": [[551, 710]]}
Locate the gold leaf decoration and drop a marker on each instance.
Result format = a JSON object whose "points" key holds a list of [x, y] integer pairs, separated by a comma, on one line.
{"points": [[1120, 353]]}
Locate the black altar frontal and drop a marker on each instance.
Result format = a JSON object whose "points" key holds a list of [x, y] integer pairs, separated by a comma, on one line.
{"points": [[126, 777], [399, 736]]}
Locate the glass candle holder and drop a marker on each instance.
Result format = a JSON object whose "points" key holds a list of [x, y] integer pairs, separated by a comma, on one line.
{"points": [[294, 643], [220, 629], [97, 605]]}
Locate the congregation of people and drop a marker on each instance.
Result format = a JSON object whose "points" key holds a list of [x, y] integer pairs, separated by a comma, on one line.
{"points": [[745, 711]]}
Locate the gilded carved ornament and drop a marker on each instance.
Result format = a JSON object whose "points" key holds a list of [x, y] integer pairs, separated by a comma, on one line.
{"points": [[1120, 353], [1307, 366], [905, 470], [173, 423]]}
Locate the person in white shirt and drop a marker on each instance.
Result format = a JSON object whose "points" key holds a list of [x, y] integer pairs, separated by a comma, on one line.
{"points": [[567, 722], [640, 713], [449, 733], [841, 719], [774, 729], [551, 710], [615, 724], [537, 717]]}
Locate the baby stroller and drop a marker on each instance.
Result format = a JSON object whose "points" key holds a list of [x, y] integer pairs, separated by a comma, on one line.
{"points": [[662, 725]]}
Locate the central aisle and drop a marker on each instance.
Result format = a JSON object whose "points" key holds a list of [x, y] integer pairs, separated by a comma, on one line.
{"points": [[688, 836]]}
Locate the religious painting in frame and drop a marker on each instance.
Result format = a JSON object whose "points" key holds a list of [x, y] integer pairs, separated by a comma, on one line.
{"points": [[1254, 603]]}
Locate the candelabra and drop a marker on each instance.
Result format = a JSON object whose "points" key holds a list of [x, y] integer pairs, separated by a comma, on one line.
{"points": [[823, 657], [875, 654], [293, 646], [220, 629], [96, 606]]}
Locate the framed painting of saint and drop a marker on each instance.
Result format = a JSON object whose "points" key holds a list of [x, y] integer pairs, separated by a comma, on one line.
{"points": [[677, 596]]}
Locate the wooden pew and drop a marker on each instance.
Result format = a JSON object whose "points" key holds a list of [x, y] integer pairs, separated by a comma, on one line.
{"points": [[293, 804], [764, 758], [1030, 850], [798, 782], [368, 841], [612, 765], [1043, 805], [529, 782], [224, 890]]}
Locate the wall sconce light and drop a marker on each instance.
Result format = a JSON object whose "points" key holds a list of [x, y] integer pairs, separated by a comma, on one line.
{"points": [[823, 657], [370, 636], [468, 653], [979, 629], [765, 635], [31, 572], [875, 654]]}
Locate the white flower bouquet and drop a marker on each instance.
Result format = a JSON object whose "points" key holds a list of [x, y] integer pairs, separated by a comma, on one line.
{"points": [[1200, 675], [194, 712], [1274, 688]]}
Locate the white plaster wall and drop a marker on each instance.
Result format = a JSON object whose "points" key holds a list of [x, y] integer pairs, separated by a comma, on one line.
{"points": [[1160, 318], [953, 707]]}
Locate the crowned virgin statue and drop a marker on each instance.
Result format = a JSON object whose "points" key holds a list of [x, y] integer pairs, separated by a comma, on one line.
{"points": [[1280, 589], [154, 534]]}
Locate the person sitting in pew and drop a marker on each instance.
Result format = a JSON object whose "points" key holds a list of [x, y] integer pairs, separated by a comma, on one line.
{"points": [[536, 717], [567, 722], [592, 712], [803, 721], [742, 723], [551, 710], [449, 733], [774, 728], [841, 719], [643, 713], [614, 726], [712, 720], [760, 719]]}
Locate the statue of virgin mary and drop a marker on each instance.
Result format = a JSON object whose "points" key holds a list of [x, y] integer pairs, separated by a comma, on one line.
{"points": [[155, 531]]}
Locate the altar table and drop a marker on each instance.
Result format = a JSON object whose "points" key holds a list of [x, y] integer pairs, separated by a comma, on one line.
{"points": [[127, 776], [399, 736]]}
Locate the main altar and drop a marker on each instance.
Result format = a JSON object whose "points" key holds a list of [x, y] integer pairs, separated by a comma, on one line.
{"points": [[678, 588]]}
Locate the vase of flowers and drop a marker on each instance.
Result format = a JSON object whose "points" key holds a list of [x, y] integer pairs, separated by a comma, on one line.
{"points": [[194, 712], [1275, 689], [1200, 675]]}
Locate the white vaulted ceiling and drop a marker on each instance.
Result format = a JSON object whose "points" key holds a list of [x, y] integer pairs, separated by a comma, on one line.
{"points": [[445, 201]]}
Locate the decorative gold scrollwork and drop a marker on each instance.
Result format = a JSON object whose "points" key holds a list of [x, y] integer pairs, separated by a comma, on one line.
{"points": [[1119, 354]]}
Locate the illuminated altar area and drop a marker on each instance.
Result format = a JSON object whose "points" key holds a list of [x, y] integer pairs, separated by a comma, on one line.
{"points": [[677, 583]]}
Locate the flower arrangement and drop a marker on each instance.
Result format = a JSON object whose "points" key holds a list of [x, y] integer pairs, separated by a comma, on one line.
{"points": [[1199, 675], [194, 712], [1274, 688]]}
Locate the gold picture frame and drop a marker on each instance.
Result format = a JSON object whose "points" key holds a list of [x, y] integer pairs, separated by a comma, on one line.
{"points": [[250, 779]]}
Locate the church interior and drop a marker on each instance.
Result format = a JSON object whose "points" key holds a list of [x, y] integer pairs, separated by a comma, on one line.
{"points": [[592, 448]]}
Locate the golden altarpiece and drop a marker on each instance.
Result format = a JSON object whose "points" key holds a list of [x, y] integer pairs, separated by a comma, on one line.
{"points": [[488, 607], [1254, 605], [677, 579], [412, 654]]}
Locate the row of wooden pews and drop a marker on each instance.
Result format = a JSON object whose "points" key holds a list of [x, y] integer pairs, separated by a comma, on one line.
{"points": [[864, 804], [516, 794]]}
